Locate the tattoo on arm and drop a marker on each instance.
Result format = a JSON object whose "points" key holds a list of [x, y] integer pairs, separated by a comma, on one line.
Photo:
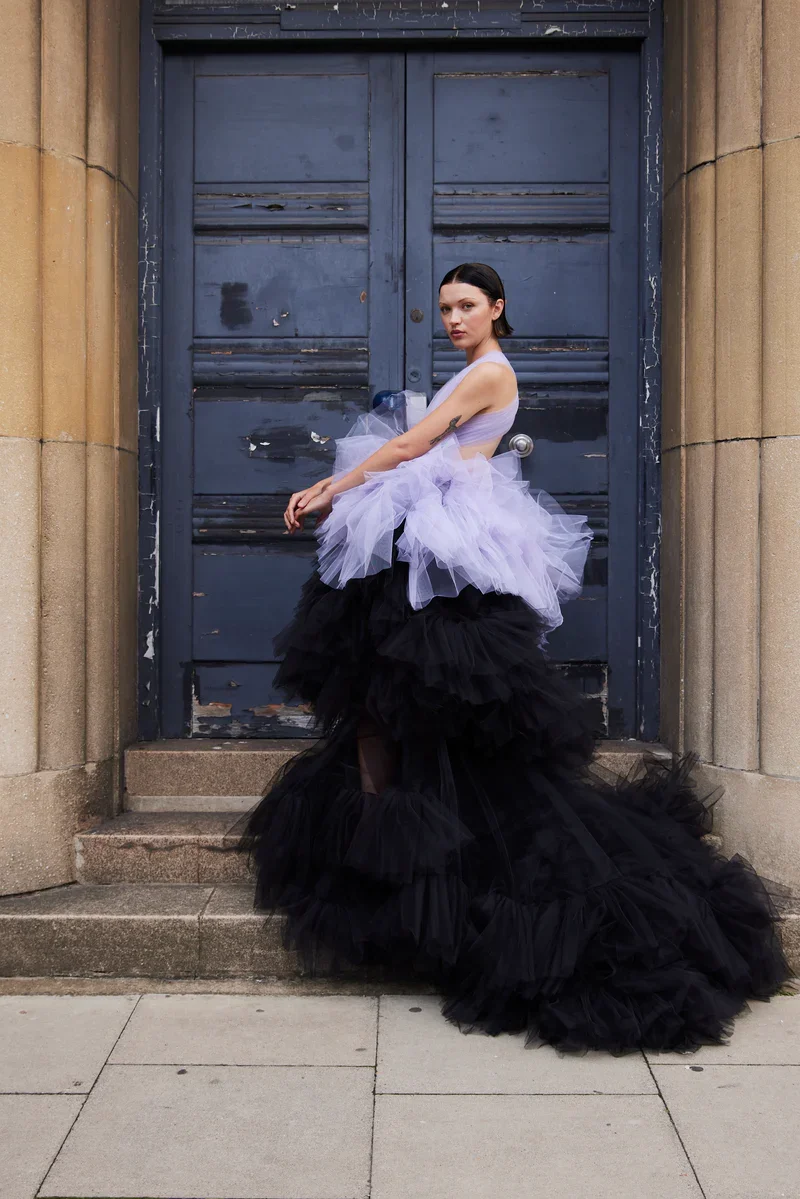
{"points": [[446, 431]]}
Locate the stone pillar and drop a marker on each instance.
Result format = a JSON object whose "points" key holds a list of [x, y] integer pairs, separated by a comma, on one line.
{"points": [[731, 419], [68, 250]]}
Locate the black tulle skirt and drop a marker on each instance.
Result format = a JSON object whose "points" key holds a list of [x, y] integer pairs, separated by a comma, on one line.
{"points": [[534, 895]]}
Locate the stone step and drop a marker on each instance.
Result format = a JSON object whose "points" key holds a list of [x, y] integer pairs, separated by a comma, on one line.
{"points": [[135, 930], [230, 776], [218, 775], [226, 804], [131, 930], [167, 847], [174, 838], [162, 847]]}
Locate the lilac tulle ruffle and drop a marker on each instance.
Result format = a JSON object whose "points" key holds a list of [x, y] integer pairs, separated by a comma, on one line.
{"points": [[467, 521]]}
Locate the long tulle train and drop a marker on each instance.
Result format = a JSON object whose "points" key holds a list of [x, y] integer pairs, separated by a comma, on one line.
{"points": [[535, 895]]}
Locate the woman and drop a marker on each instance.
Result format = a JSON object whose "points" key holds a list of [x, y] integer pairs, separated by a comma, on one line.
{"points": [[446, 822]]}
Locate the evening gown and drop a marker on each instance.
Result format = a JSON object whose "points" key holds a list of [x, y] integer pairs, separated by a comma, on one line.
{"points": [[534, 895]]}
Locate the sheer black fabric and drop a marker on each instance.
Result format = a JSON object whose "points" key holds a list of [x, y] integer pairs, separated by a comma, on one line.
{"points": [[537, 897]]}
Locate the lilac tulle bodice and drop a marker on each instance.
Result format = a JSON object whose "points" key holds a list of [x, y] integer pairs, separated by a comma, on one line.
{"points": [[484, 426], [466, 521]]}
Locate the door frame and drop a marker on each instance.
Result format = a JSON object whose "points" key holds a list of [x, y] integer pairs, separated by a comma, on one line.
{"points": [[493, 24]]}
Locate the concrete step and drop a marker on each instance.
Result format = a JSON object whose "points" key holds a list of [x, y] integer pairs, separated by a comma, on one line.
{"points": [[162, 847], [167, 837], [202, 776], [130, 930], [230, 776], [169, 847]]}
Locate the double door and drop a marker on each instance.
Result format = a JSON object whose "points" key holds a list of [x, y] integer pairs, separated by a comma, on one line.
{"points": [[313, 202]]}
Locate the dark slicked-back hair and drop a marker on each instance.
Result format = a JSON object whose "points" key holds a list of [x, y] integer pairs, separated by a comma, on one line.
{"points": [[478, 274]]}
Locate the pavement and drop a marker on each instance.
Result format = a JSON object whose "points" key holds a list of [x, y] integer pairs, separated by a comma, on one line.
{"points": [[282, 1095]]}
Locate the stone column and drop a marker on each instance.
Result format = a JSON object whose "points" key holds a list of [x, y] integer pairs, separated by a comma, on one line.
{"points": [[68, 426], [731, 418]]}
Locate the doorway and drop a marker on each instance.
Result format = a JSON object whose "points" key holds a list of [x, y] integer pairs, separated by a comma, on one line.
{"points": [[312, 202]]}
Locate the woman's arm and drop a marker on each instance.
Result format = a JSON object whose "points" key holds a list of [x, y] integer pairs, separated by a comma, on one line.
{"points": [[490, 385]]}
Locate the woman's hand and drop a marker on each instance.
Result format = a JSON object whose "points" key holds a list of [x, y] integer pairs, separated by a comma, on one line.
{"points": [[303, 503]]}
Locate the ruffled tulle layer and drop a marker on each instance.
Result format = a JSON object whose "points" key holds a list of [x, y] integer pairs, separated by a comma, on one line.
{"points": [[468, 669], [536, 896], [466, 522]]}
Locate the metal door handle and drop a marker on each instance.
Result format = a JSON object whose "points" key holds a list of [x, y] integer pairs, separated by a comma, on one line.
{"points": [[521, 444]]}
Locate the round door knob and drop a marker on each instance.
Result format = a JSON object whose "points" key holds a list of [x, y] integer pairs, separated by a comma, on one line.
{"points": [[521, 444], [414, 374], [417, 315]]}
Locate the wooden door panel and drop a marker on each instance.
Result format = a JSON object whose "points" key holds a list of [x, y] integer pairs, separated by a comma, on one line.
{"points": [[245, 595], [239, 699], [526, 161], [517, 124], [313, 286], [558, 287], [247, 445], [284, 232], [570, 445], [260, 126]]}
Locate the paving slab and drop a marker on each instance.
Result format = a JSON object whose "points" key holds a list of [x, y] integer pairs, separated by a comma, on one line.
{"points": [[202, 1132], [740, 1126], [33, 1128], [276, 1030], [419, 1052], [764, 1034], [536, 1146], [58, 1043]]}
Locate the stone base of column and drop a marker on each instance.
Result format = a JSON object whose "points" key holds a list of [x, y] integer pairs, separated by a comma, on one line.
{"points": [[759, 817], [39, 815]]}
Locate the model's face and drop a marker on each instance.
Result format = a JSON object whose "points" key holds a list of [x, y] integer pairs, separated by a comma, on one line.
{"points": [[467, 314]]}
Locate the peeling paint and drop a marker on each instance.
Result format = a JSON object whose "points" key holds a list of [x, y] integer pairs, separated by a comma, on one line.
{"points": [[299, 716], [213, 709], [156, 559]]}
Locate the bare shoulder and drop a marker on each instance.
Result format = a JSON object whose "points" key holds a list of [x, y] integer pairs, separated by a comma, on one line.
{"points": [[494, 379]]}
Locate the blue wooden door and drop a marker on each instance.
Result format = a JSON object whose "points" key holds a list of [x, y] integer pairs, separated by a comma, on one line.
{"points": [[312, 201]]}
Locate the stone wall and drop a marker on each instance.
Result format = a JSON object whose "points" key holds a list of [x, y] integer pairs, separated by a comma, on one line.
{"points": [[68, 423], [730, 581]]}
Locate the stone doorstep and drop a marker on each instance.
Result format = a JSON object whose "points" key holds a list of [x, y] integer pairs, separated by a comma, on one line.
{"points": [[163, 847], [176, 768], [170, 847], [130, 930], [227, 804], [177, 842], [158, 930], [166, 772]]}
